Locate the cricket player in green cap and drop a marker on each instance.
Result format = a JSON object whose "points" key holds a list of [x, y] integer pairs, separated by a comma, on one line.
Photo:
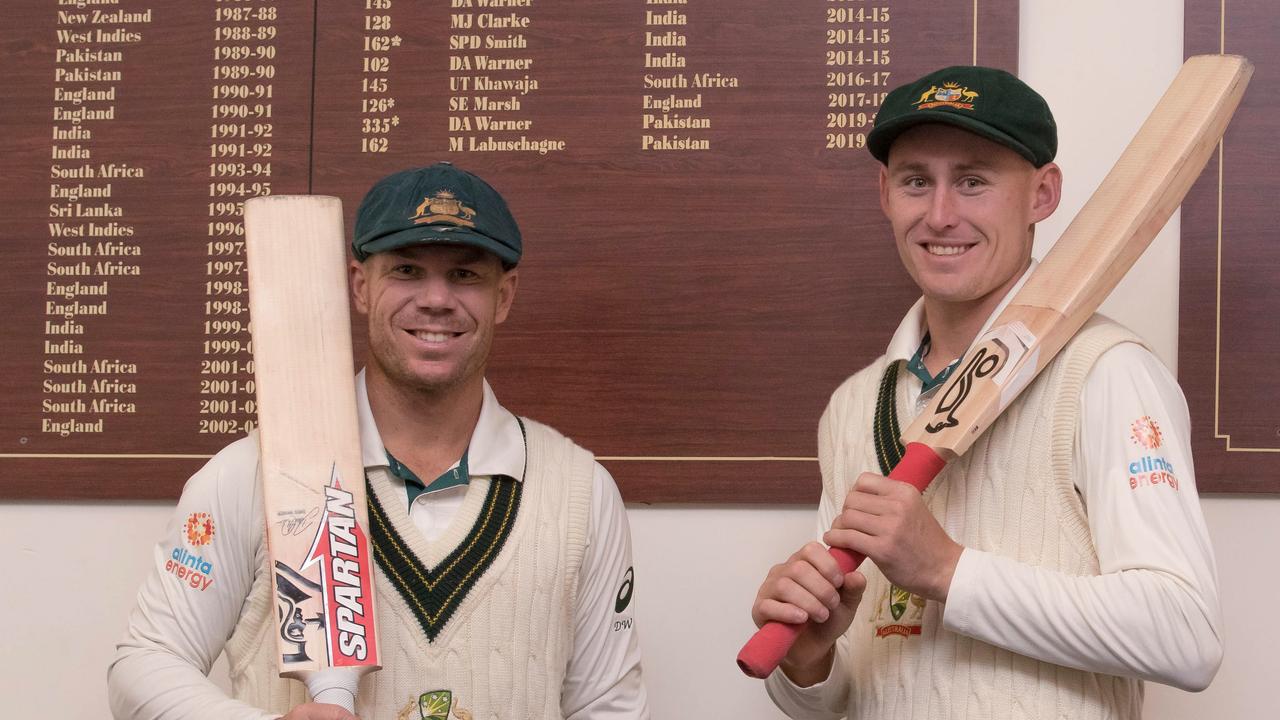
{"points": [[1061, 561], [504, 579]]}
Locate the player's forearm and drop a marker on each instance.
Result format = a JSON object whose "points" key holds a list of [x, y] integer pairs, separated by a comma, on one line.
{"points": [[806, 698], [624, 700], [605, 682], [1139, 623], [151, 684], [810, 674]]}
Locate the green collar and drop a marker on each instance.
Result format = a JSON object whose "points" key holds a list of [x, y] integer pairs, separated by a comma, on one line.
{"points": [[917, 368], [457, 475]]}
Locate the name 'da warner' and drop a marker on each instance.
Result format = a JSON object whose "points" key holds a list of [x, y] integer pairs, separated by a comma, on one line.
{"points": [[489, 64]]}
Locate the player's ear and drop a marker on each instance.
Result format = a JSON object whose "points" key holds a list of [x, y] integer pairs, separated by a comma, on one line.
{"points": [[358, 283], [506, 293], [1046, 191], [884, 189]]}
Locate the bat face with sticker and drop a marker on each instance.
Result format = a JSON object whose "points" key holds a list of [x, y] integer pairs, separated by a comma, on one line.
{"points": [[311, 469]]}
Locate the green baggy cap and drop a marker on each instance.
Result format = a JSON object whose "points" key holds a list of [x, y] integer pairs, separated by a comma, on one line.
{"points": [[985, 101], [435, 204]]}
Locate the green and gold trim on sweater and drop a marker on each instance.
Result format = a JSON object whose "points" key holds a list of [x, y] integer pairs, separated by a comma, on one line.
{"points": [[434, 594], [885, 430]]}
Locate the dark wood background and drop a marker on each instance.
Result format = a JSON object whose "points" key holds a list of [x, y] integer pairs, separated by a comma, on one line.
{"points": [[684, 315], [1229, 331]]}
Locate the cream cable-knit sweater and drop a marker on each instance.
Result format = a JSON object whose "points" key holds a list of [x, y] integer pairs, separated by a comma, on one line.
{"points": [[504, 650], [1011, 494]]}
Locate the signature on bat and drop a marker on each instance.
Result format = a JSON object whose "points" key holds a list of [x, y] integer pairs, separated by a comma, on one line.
{"points": [[298, 522]]}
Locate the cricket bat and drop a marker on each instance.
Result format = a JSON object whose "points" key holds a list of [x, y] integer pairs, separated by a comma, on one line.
{"points": [[310, 464], [1106, 237]]}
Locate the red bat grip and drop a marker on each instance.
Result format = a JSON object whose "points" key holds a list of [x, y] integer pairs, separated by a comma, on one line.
{"points": [[762, 653]]}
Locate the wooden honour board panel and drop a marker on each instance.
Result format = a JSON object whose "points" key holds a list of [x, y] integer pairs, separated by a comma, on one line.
{"points": [[1229, 305], [705, 256]]}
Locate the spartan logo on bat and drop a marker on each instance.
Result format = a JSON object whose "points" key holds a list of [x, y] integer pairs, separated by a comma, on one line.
{"points": [[985, 361], [341, 550]]}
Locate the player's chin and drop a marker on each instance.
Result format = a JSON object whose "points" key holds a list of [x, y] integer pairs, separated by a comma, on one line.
{"points": [[946, 286], [430, 379]]}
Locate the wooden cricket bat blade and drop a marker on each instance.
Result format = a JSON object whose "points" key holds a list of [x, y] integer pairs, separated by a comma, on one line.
{"points": [[310, 464], [1106, 237], [1093, 254]]}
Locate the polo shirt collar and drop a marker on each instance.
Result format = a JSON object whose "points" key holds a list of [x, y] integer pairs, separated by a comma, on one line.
{"points": [[497, 443], [909, 337]]}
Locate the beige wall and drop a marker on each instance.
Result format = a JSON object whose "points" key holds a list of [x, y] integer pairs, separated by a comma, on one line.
{"points": [[1101, 64]]}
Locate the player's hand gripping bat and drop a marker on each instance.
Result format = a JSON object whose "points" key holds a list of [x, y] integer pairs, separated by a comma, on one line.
{"points": [[310, 463], [1130, 206]]}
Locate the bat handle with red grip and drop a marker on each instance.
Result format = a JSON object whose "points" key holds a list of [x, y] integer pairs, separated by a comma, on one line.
{"points": [[762, 653]]}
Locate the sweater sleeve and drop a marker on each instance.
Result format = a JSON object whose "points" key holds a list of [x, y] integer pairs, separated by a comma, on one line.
{"points": [[191, 599], [604, 678], [1153, 611]]}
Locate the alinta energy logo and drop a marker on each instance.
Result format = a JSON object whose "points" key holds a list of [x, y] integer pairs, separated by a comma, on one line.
{"points": [[1150, 469], [1145, 432], [199, 529], [194, 571]]}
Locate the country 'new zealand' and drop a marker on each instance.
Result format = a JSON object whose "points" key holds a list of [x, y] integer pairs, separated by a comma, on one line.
{"points": [[104, 17]]}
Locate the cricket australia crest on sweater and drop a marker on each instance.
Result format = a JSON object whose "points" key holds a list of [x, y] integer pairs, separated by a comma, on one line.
{"points": [[434, 705], [898, 612]]}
